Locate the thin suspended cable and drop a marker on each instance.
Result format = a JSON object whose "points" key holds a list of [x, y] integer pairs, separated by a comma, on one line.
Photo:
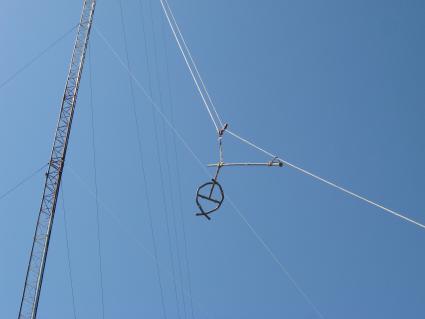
{"points": [[131, 235], [171, 126], [176, 169], [168, 168], [191, 58], [198, 74], [98, 230], [68, 254], [188, 271], [167, 161], [158, 153], [274, 257], [142, 166], [204, 99], [390, 211], [36, 57], [21, 182]]}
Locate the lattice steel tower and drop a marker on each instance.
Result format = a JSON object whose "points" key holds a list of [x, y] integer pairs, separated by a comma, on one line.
{"points": [[40, 245]]}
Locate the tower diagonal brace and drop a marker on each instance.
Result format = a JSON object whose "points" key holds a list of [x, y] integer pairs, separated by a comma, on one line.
{"points": [[40, 246]]}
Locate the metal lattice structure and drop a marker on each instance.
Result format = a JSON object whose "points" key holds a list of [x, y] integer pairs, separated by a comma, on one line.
{"points": [[40, 246]]}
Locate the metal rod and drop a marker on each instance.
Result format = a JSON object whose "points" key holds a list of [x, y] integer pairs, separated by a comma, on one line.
{"points": [[279, 164], [215, 180]]}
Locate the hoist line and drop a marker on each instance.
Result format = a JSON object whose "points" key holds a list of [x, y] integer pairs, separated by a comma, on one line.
{"points": [[143, 170], [68, 254], [177, 170], [93, 144], [158, 153], [390, 211], [128, 232], [180, 137], [21, 182], [192, 72], [193, 62], [36, 57]]}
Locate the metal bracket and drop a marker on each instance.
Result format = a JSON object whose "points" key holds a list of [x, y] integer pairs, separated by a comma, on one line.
{"points": [[271, 163]]}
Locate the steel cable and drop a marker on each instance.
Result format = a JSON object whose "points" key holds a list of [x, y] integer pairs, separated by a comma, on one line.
{"points": [[192, 67], [177, 170], [142, 167], [98, 230], [68, 254], [36, 57], [23, 181], [158, 153], [133, 237], [193, 62]]}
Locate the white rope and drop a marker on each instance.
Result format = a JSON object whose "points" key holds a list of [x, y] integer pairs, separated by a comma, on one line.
{"points": [[198, 160], [390, 211], [193, 62], [191, 65]]}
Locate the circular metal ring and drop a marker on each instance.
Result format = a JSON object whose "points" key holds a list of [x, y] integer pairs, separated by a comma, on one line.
{"points": [[209, 186]]}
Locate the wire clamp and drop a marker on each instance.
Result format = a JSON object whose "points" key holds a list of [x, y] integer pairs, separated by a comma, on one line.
{"points": [[276, 162]]}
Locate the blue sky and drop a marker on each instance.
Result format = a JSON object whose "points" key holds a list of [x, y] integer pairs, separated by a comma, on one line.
{"points": [[335, 87]]}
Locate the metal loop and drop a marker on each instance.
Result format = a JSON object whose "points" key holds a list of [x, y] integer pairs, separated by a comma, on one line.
{"points": [[209, 187]]}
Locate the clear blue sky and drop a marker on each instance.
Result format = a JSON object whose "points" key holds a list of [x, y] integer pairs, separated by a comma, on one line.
{"points": [[336, 87]]}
